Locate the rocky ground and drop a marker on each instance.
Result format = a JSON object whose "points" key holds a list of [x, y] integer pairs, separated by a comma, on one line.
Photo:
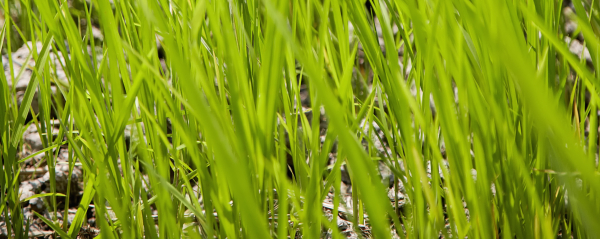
{"points": [[35, 175]]}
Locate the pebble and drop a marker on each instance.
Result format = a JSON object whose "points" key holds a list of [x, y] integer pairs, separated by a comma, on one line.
{"points": [[20, 83], [342, 224], [32, 138], [25, 190], [577, 48], [61, 176]]}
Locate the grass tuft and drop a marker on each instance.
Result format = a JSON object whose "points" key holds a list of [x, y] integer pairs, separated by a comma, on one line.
{"points": [[299, 119]]}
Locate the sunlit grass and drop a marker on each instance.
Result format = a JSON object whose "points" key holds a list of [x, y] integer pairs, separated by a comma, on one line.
{"points": [[224, 115]]}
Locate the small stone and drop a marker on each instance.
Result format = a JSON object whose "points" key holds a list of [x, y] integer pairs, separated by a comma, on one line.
{"points": [[61, 178], [393, 197], [387, 177], [36, 184], [342, 224], [377, 137], [92, 221], [570, 27], [577, 48], [20, 83], [37, 204], [36, 159], [32, 138], [26, 190], [34, 141]]}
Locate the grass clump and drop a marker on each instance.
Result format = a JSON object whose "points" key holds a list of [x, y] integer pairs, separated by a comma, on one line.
{"points": [[300, 119]]}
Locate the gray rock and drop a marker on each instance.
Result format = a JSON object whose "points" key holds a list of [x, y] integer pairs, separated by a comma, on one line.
{"points": [[342, 224], [396, 196], [446, 164], [34, 229], [578, 49], [377, 137], [61, 176], [25, 191], [22, 65], [37, 204], [70, 216], [19, 58], [36, 184], [570, 27], [32, 138], [34, 160], [419, 98]]}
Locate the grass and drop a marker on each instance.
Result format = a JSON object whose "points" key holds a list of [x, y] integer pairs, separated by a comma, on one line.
{"points": [[224, 114]]}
